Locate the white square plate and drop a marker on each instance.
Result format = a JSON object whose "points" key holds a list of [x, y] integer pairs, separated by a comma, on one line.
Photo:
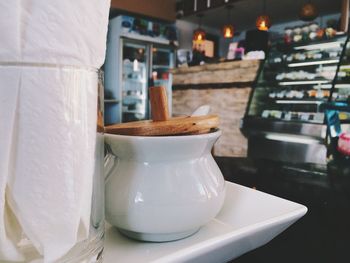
{"points": [[249, 219]]}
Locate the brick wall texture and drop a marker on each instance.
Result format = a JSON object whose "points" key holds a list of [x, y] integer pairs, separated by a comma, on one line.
{"points": [[229, 103]]}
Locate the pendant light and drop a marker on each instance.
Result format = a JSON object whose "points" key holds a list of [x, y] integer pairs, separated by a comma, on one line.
{"points": [[308, 12], [228, 30], [199, 33], [263, 21]]}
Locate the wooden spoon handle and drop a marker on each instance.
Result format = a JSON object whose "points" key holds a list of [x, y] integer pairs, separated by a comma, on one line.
{"points": [[159, 104]]}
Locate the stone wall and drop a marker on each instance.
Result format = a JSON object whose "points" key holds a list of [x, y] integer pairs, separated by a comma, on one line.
{"points": [[229, 101]]}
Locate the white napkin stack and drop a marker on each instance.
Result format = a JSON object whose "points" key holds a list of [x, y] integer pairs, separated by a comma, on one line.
{"points": [[48, 122], [52, 178], [8, 121], [57, 31], [10, 45]]}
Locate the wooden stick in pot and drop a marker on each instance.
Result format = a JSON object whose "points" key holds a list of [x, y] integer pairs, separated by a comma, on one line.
{"points": [[159, 104], [162, 124]]}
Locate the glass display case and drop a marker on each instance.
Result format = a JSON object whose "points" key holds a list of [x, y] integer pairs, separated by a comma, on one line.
{"points": [[296, 80], [285, 117]]}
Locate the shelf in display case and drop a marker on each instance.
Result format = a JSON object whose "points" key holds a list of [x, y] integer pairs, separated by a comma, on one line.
{"points": [[292, 122], [323, 86], [300, 101], [340, 85], [320, 121], [321, 83], [303, 82], [344, 67], [326, 45], [312, 62], [273, 85], [334, 42]]}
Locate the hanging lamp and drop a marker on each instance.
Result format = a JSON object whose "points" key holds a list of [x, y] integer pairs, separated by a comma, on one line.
{"points": [[308, 11], [199, 33], [263, 22], [227, 29]]}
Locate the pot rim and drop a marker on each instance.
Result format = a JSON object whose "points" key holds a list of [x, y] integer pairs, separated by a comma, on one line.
{"points": [[215, 133]]}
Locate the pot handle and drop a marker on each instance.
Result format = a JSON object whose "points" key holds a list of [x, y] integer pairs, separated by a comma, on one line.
{"points": [[110, 162]]}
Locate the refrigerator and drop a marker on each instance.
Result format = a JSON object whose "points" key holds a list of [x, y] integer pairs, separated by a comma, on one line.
{"points": [[139, 55]]}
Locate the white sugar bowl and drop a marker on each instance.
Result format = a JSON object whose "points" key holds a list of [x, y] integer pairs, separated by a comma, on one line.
{"points": [[162, 188]]}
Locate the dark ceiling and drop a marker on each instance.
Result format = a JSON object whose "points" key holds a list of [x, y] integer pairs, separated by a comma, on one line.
{"points": [[244, 12]]}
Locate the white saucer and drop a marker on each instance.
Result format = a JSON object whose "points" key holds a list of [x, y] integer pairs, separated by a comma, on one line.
{"points": [[249, 219]]}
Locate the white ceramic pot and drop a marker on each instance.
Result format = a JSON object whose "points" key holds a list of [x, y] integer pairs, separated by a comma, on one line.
{"points": [[162, 188]]}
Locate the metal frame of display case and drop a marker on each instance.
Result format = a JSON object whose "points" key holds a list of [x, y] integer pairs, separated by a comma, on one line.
{"points": [[289, 141]]}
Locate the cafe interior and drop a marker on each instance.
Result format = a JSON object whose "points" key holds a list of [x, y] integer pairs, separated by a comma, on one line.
{"points": [[275, 72]]}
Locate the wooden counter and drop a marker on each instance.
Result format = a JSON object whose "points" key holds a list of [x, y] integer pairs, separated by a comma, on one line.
{"points": [[226, 88]]}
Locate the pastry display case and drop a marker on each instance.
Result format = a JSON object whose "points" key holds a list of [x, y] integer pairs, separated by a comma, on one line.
{"points": [[285, 119]]}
